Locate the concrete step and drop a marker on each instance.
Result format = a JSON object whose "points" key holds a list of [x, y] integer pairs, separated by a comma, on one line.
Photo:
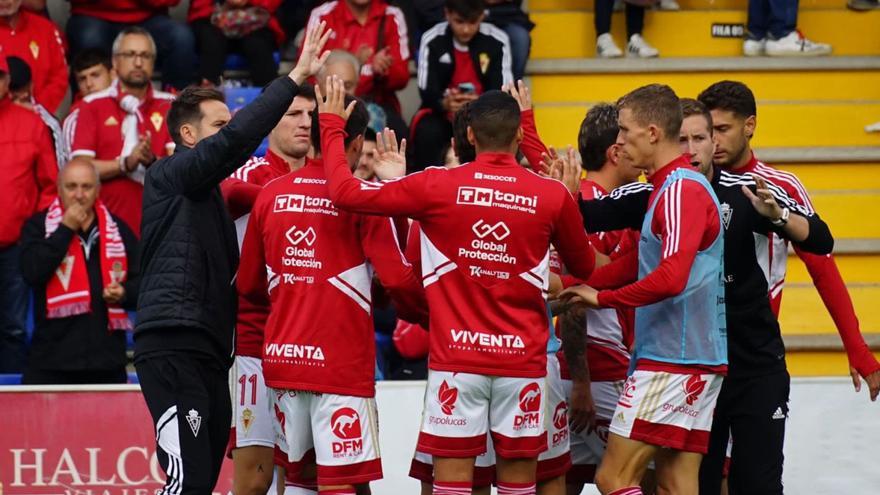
{"points": [[818, 363], [803, 312], [856, 160], [570, 33], [544, 66]]}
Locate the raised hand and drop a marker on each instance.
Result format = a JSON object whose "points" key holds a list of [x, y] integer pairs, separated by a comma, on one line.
{"points": [[313, 55], [334, 102], [390, 161], [520, 92], [764, 202], [872, 380]]}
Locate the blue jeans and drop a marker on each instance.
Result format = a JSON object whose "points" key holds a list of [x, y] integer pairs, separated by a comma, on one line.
{"points": [[520, 46], [174, 42], [773, 18], [13, 311]]}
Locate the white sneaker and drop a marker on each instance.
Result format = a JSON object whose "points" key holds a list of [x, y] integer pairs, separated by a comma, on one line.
{"points": [[754, 48], [638, 47], [796, 45], [668, 5], [606, 47]]}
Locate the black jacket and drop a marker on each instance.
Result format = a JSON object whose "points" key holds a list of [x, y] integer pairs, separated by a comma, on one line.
{"points": [[81, 342], [755, 345], [190, 252], [489, 51]]}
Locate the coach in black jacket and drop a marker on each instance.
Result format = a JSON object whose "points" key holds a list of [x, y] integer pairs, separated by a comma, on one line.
{"points": [[187, 303], [445, 84]]}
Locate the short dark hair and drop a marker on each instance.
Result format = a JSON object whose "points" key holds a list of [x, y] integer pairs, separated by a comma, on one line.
{"points": [[598, 132], [464, 150], [369, 135], [469, 9], [307, 91], [495, 119], [355, 126], [91, 57], [20, 75], [691, 107], [731, 96], [655, 104], [186, 108]]}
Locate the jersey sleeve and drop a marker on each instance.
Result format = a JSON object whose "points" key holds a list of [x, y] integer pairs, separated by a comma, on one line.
{"points": [[621, 271], [53, 90], [85, 132], [394, 271], [624, 208], [682, 221], [402, 197], [239, 196], [571, 241], [532, 146], [252, 281]]}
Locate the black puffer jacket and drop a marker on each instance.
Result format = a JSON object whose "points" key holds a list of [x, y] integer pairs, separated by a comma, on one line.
{"points": [[189, 252]]}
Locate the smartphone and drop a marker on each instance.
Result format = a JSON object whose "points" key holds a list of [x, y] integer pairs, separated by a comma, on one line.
{"points": [[466, 87]]}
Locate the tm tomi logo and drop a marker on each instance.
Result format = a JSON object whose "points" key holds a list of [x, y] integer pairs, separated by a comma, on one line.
{"points": [[295, 351], [487, 339], [485, 196]]}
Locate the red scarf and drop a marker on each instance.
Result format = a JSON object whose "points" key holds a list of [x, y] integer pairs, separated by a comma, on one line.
{"points": [[68, 292]]}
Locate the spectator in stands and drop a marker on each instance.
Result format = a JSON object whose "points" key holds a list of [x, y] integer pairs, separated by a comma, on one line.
{"points": [[636, 46], [513, 20], [772, 30], [376, 34], [459, 59], [36, 40], [343, 65], [248, 27], [122, 130], [27, 178], [95, 24], [21, 92], [364, 168], [93, 71], [82, 263]]}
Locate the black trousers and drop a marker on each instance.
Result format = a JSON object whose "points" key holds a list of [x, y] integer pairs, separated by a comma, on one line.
{"points": [[635, 18], [188, 398], [257, 48], [752, 411]]}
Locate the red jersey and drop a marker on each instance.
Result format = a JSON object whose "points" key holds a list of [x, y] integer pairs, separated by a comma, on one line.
{"points": [[823, 270], [610, 331], [28, 172], [122, 11], [350, 35], [315, 263], [486, 227], [37, 41], [96, 126], [240, 191]]}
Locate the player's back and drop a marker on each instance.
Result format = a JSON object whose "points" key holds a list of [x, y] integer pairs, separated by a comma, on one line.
{"points": [[319, 333], [485, 237]]}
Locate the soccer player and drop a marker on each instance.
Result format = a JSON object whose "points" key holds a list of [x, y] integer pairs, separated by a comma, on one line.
{"points": [[734, 114], [252, 439], [754, 338], [487, 227], [314, 263], [680, 353]]}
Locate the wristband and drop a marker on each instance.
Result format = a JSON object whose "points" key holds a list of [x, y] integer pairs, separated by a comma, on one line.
{"points": [[781, 221]]}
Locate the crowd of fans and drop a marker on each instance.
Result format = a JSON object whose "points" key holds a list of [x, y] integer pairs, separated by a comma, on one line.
{"points": [[112, 52]]}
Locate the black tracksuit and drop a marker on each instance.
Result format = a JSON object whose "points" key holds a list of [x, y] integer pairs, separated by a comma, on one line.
{"points": [[187, 305], [753, 403]]}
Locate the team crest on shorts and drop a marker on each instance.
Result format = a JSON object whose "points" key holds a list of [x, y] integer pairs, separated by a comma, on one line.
{"points": [[247, 419], [530, 405], [346, 426], [693, 387], [195, 421], [447, 396]]}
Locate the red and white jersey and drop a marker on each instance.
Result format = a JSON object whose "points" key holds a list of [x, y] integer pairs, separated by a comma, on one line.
{"points": [[609, 331], [486, 230], [315, 263], [240, 191], [773, 256]]}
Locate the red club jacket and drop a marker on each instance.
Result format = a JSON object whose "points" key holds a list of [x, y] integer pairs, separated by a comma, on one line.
{"points": [[37, 41], [124, 11]]}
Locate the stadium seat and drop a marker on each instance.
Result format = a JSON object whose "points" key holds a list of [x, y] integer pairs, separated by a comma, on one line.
{"points": [[237, 98], [133, 378], [10, 379], [236, 61]]}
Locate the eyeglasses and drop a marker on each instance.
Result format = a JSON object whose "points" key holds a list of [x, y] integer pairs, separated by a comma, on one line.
{"points": [[147, 56]]}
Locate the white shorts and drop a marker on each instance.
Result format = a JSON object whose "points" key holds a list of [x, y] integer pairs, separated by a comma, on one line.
{"points": [[461, 408], [588, 446], [343, 431], [556, 460], [671, 410], [251, 406]]}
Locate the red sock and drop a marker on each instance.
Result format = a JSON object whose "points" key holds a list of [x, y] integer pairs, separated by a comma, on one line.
{"points": [[452, 488], [516, 488], [632, 490]]}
